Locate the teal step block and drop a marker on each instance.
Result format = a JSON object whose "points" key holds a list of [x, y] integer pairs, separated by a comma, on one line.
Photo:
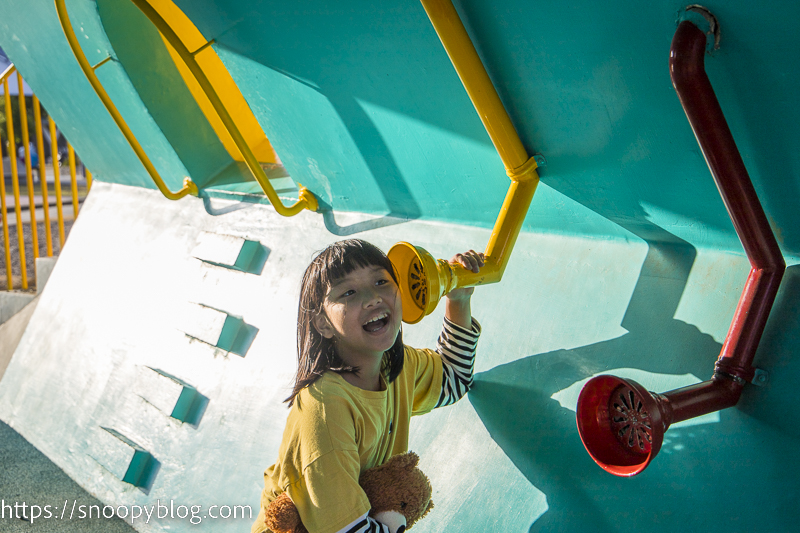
{"points": [[190, 406], [125, 459], [171, 395], [218, 328], [231, 252]]}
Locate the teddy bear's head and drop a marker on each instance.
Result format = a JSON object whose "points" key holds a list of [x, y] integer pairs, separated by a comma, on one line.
{"points": [[398, 485]]}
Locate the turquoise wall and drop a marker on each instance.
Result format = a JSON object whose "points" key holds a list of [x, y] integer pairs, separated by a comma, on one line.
{"points": [[364, 108], [631, 263]]}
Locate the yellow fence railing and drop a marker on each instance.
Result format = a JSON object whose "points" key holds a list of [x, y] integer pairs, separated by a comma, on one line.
{"points": [[30, 192]]}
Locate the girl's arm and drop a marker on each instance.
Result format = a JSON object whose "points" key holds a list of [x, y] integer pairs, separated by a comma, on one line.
{"points": [[456, 346], [459, 336], [457, 302], [390, 522]]}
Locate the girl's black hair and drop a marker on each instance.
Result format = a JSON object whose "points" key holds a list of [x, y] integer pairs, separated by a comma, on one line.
{"points": [[315, 353]]}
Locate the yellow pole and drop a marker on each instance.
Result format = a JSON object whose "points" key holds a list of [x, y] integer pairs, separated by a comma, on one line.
{"points": [[189, 187], [3, 206], [476, 81], [6, 244], [57, 173], [37, 117], [88, 178], [73, 179], [26, 142], [12, 156]]}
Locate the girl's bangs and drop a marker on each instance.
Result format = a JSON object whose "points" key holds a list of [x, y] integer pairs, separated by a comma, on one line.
{"points": [[342, 258]]}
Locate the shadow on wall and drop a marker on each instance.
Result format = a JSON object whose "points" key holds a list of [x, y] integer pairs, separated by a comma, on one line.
{"points": [[699, 465]]}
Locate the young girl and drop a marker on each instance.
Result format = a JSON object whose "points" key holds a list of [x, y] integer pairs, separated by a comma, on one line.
{"points": [[358, 385]]}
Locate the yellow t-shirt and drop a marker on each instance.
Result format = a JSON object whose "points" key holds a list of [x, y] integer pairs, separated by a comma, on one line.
{"points": [[335, 431]]}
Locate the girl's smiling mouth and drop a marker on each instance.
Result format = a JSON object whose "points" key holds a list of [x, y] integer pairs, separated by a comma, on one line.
{"points": [[376, 323]]}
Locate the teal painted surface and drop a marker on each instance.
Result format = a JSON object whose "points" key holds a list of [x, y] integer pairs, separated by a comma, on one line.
{"points": [[362, 100], [509, 453], [364, 108]]}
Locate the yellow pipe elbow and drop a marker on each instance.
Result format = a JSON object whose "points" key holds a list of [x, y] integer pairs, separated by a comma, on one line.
{"points": [[189, 187], [424, 280]]}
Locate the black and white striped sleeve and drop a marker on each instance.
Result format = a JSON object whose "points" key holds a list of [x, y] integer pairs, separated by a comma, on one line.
{"points": [[367, 524], [457, 346]]}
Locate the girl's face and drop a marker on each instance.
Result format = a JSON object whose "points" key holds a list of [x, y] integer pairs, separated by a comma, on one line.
{"points": [[362, 312]]}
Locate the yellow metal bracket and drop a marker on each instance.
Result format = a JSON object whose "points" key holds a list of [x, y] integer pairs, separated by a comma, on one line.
{"points": [[189, 187], [7, 72], [423, 279], [307, 199]]}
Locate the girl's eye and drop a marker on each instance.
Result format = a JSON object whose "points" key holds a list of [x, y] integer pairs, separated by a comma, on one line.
{"points": [[348, 293], [382, 282]]}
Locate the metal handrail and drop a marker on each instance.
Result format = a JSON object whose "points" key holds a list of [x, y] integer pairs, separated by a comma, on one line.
{"points": [[3, 79], [189, 187], [307, 199], [15, 169]]}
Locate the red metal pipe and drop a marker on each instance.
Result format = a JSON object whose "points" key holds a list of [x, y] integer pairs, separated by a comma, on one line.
{"points": [[621, 424], [733, 368]]}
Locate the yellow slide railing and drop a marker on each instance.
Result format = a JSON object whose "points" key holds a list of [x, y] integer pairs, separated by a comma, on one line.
{"points": [[189, 187], [307, 199]]}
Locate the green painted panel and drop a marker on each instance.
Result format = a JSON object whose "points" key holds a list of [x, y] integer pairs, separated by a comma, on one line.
{"points": [[587, 86]]}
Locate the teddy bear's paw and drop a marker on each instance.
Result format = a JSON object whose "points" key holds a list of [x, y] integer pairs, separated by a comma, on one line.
{"points": [[282, 516], [398, 485]]}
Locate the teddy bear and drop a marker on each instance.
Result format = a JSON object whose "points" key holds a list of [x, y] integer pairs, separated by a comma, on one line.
{"points": [[397, 485]]}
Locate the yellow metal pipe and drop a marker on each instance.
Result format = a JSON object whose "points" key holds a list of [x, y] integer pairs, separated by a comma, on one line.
{"points": [[73, 179], [475, 79], [189, 187], [423, 280], [6, 244], [307, 199], [88, 176], [12, 157], [37, 117], [26, 142], [56, 164]]}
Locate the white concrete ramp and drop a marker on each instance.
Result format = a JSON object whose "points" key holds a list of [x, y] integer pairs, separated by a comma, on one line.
{"points": [[154, 366]]}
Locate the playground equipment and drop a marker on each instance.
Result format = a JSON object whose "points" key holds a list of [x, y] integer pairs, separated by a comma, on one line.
{"points": [[423, 279]]}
